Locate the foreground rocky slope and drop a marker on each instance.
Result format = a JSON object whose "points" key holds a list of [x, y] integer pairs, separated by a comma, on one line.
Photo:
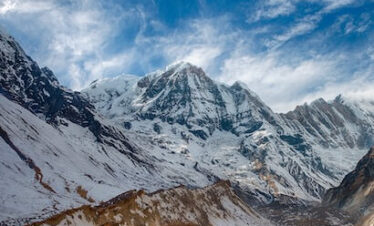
{"points": [[213, 205], [356, 192]]}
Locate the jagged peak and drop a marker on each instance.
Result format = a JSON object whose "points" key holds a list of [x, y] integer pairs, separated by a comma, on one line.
{"points": [[185, 69], [239, 84], [49, 73], [179, 65], [339, 99], [177, 69], [5, 34], [318, 101], [112, 81], [120, 77]]}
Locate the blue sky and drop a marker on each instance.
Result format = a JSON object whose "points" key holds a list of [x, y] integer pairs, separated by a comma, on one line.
{"points": [[287, 51]]}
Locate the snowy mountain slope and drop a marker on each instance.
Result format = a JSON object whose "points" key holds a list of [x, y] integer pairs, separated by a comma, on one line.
{"points": [[74, 169], [42, 166], [232, 134], [38, 90], [213, 205]]}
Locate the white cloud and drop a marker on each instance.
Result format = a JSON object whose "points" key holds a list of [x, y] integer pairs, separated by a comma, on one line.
{"points": [[360, 88], [271, 9], [20, 6], [277, 83], [335, 4], [202, 56], [199, 42], [109, 66], [348, 24], [299, 29], [283, 85], [308, 22], [302, 27], [6, 6], [71, 34]]}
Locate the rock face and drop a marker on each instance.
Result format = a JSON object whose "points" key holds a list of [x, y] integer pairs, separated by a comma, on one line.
{"points": [[37, 89], [213, 205], [180, 109], [339, 123], [356, 192], [367, 220]]}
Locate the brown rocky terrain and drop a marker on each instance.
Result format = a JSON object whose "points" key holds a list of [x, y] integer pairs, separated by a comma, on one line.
{"points": [[356, 192], [213, 205]]}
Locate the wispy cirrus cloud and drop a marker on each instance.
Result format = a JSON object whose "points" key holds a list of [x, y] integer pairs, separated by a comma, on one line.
{"points": [[301, 27], [17, 6], [281, 85], [72, 35], [333, 4], [271, 9]]}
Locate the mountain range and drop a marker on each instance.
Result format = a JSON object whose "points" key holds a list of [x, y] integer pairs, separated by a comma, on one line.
{"points": [[61, 149]]}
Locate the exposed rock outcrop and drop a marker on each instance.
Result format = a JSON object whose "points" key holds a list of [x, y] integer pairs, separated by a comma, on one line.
{"points": [[213, 205], [356, 192]]}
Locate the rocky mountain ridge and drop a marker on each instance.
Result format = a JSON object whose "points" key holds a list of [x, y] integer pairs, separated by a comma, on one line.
{"points": [[289, 154]]}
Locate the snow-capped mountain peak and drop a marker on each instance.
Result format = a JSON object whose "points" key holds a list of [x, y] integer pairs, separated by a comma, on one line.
{"points": [[187, 108], [183, 94]]}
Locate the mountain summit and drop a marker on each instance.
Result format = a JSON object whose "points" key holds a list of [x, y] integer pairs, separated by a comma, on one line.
{"points": [[183, 94]]}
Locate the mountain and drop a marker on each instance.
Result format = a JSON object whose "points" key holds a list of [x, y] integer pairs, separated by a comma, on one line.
{"points": [[181, 94], [228, 132], [213, 205], [355, 194]]}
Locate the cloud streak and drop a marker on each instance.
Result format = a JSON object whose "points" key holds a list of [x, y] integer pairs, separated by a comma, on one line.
{"points": [[272, 8]]}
